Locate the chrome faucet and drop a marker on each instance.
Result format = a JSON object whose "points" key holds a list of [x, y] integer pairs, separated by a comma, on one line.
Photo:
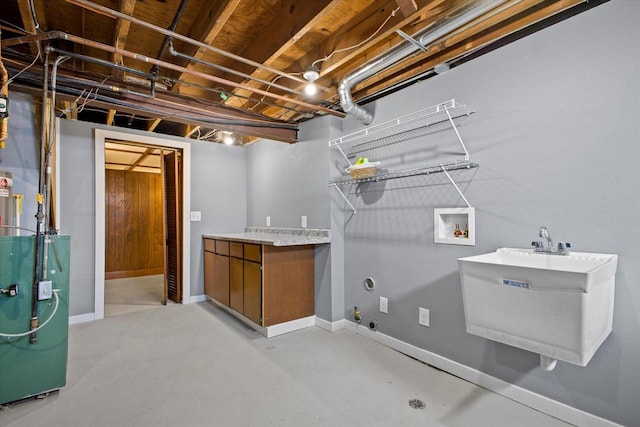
{"points": [[549, 249], [544, 233]]}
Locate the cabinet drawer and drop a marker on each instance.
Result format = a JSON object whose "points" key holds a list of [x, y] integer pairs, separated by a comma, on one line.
{"points": [[252, 252], [222, 247], [209, 245], [236, 249]]}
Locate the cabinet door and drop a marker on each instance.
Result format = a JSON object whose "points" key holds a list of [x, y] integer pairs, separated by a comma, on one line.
{"points": [[253, 291], [221, 279], [236, 288], [288, 283], [209, 268]]}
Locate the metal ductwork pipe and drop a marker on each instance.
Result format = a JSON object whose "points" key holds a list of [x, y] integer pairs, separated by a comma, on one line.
{"points": [[401, 51]]}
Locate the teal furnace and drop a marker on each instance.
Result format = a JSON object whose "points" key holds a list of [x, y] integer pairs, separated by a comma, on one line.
{"points": [[30, 369]]}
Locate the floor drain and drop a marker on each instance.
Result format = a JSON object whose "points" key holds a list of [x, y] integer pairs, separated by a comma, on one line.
{"points": [[417, 404]]}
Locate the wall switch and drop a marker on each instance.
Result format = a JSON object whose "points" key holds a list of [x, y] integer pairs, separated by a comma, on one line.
{"points": [[303, 221], [45, 290], [424, 317], [268, 221], [196, 216], [384, 305]]}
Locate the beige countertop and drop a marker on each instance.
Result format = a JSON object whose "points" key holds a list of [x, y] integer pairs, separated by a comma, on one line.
{"points": [[277, 236]]}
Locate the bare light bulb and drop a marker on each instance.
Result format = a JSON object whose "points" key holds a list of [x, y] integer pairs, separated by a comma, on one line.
{"points": [[228, 139], [310, 89], [311, 74]]}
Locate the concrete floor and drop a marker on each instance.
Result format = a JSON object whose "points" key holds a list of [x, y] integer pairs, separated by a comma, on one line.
{"points": [[194, 365], [133, 294]]}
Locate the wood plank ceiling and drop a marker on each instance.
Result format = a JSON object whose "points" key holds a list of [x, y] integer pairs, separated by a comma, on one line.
{"points": [[207, 69]]}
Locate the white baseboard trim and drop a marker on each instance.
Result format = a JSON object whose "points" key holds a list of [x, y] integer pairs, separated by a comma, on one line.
{"points": [[330, 326], [197, 298], [528, 398], [293, 325], [82, 318]]}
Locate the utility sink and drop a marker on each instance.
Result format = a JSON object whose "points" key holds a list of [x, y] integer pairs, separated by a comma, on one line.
{"points": [[559, 306]]}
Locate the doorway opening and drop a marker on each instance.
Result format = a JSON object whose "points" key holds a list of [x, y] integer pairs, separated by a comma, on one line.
{"points": [[155, 282], [141, 198]]}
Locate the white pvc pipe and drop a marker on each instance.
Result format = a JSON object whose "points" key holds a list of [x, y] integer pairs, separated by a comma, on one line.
{"points": [[547, 363]]}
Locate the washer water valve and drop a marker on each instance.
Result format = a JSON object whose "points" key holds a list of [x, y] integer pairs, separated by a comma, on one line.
{"points": [[357, 316]]}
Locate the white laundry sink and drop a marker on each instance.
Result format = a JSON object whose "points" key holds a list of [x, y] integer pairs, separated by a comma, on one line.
{"points": [[560, 306]]}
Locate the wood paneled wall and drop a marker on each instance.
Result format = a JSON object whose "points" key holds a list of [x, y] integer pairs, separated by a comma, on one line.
{"points": [[134, 224]]}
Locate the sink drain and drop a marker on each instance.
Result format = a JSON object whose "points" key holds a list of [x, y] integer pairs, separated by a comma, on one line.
{"points": [[417, 404]]}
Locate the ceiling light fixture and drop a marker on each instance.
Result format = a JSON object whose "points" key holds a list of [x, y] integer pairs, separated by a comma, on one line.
{"points": [[311, 74], [228, 138]]}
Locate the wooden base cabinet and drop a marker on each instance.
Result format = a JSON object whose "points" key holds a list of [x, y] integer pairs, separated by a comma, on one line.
{"points": [[266, 284], [287, 290], [236, 284], [221, 279], [253, 291], [209, 272], [216, 270]]}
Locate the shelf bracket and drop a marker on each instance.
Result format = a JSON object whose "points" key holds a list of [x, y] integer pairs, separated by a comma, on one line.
{"points": [[455, 129], [444, 169], [343, 154], [345, 198]]}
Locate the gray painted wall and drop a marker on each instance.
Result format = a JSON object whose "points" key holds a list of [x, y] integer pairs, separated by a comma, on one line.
{"points": [[218, 189], [288, 181], [77, 210], [218, 176], [21, 156], [556, 136]]}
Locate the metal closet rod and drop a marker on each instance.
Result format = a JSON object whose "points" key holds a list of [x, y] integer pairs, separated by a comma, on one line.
{"points": [[111, 49], [115, 14]]}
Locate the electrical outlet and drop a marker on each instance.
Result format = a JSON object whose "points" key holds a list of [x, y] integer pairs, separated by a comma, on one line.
{"points": [[424, 317], [196, 216], [268, 221], [303, 221], [384, 305], [45, 290]]}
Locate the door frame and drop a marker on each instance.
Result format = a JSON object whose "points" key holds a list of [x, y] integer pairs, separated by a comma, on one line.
{"points": [[100, 135]]}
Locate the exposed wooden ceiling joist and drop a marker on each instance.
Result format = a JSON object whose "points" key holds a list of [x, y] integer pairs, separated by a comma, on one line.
{"points": [[140, 159], [264, 46], [212, 18], [407, 7], [31, 25], [523, 14], [120, 34]]}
